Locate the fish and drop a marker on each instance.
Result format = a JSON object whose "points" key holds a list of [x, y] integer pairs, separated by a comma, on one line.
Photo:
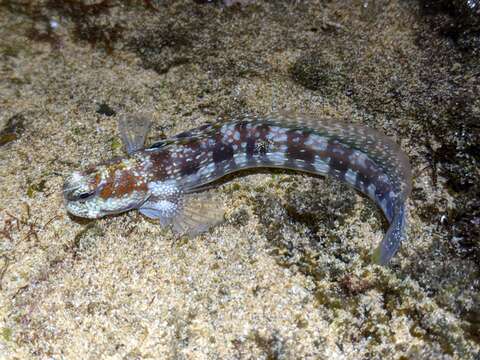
{"points": [[167, 181]]}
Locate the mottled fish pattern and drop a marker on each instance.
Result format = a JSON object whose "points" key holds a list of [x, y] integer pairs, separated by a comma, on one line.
{"points": [[161, 180]]}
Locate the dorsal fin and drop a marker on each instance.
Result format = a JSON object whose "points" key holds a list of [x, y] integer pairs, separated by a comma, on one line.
{"points": [[133, 129]]}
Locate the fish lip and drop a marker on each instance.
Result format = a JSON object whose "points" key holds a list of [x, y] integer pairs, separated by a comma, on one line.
{"points": [[82, 212]]}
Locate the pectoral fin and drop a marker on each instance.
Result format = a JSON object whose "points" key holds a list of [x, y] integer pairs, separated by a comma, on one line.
{"points": [[190, 214], [133, 131]]}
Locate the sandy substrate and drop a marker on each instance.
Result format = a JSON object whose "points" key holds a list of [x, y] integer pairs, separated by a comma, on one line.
{"points": [[288, 275]]}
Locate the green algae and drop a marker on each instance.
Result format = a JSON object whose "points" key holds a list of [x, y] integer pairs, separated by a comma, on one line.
{"points": [[116, 144], [271, 346], [7, 334], [36, 187]]}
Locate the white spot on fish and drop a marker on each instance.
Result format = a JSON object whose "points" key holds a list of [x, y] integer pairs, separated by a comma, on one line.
{"points": [[318, 143], [165, 206], [277, 158], [240, 159], [163, 188], [321, 167], [361, 159], [383, 205], [207, 170], [383, 178], [76, 177], [392, 195], [351, 177]]}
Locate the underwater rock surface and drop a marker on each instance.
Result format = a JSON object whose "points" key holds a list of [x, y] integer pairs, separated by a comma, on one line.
{"points": [[288, 275]]}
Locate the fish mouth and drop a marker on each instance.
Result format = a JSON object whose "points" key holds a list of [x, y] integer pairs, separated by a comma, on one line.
{"points": [[97, 208], [82, 212]]}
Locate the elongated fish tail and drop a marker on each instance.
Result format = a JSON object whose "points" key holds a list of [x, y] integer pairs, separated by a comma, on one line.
{"points": [[393, 238]]}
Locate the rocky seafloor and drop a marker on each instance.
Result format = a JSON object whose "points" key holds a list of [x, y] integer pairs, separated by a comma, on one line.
{"points": [[288, 275]]}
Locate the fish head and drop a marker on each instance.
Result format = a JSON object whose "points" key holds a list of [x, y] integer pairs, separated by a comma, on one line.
{"points": [[103, 190]]}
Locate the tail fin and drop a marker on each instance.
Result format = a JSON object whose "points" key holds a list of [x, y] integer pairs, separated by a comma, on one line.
{"points": [[393, 238]]}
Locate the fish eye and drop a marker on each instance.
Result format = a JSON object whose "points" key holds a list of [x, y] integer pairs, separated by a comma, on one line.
{"points": [[85, 195]]}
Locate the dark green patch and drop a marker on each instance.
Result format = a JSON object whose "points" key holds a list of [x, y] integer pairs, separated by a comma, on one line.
{"points": [[203, 35], [115, 144], [329, 299], [239, 217], [13, 129], [36, 187], [105, 109], [92, 22], [457, 159], [314, 72], [105, 36], [86, 238], [79, 131], [301, 322], [7, 334], [314, 213], [464, 227], [164, 48], [272, 346], [472, 326]]}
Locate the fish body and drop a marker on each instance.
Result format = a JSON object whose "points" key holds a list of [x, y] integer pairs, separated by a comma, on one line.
{"points": [[162, 181]]}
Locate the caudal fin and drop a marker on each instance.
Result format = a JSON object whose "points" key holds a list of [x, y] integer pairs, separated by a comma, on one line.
{"points": [[393, 238]]}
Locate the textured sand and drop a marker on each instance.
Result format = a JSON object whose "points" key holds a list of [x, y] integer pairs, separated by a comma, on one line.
{"points": [[288, 275]]}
